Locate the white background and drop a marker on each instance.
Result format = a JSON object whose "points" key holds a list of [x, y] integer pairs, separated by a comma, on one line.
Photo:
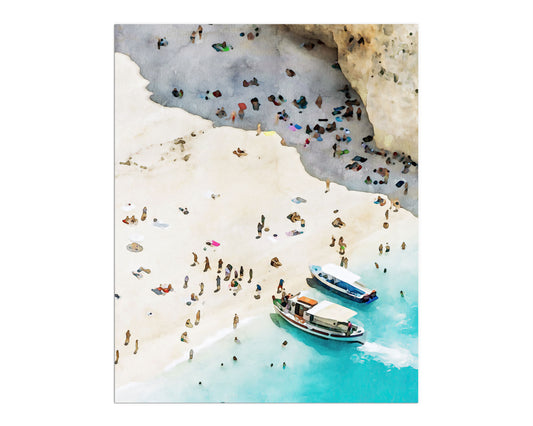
{"points": [[56, 210]]}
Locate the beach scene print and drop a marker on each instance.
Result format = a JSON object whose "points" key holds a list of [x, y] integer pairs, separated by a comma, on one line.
{"points": [[266, 213]]}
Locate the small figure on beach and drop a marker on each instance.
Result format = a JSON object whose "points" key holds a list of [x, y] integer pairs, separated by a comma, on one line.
{"points": [[338, 223], [188, 323], [385, 270], [116, 359], [258, 129], [136, 347], [233, 115], [284, 365], [259, 230], [195, 259], [220, 264], [236, 340], [191, 354], [207, 266], [193, 36], [235, 321], [387, 248], [184, 337], [403, 245], [194, 297], [332, 241], [359, 114], [200, 31], [380, 249], [143, 216], [241, 273], [275, 262], [401, 294], [227, 273], [327, 185], [385, 225], [377, 266], [318, 101], [186, 280], [284, 343], [177, 93], [280, 285], [251, 272], [128, 334], [290, 72], [239, 152], [197, 318], [201, 289], [218, 284], [220, 112], [387, 214], [234, 358]]}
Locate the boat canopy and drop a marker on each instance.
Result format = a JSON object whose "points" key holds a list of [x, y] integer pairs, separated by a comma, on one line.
{"points": [[340, 273], [332, 311]]}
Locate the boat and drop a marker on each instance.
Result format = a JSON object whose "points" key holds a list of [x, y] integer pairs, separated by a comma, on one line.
{"points": [[343, 282], [323, 319]]}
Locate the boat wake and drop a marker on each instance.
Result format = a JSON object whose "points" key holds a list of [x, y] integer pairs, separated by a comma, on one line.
{"points": [[397, 357]]}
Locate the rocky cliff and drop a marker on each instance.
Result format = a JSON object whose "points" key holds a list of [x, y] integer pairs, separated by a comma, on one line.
{"points": [[381, 63]]}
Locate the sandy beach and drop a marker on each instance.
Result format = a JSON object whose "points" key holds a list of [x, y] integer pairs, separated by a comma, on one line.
{"points": [[147, 137]]}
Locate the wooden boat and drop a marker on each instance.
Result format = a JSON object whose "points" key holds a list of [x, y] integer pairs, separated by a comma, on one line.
{"points": [[343, 282], [323, 319]]}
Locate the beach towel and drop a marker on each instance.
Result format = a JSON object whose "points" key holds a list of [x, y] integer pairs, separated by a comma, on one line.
{"points": [[157, 291], [134, 247], [292, 128], [299, 200], [215, 243], [298, 126], [269, 133], [338, 119], [242, 106], [399, 183], [217, 94]]}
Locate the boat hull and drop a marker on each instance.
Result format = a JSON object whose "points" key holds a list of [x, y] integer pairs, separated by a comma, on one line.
{"points": [[357, 337], [337, 290]]}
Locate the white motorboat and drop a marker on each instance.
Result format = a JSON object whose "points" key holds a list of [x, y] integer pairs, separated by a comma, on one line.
{"points": [[343, 282], [323, 319]]}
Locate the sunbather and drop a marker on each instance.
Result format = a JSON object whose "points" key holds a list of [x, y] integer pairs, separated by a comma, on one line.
{"points": [[275, 262]]}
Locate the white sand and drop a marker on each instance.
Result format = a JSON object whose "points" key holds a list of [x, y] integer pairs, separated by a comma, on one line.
{"points": [[263, 182]]}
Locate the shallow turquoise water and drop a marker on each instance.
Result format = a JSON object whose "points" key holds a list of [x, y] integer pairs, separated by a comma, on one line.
{"points": [[384, 369]]}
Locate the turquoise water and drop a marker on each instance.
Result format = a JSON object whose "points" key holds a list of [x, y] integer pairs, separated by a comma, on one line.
{"points": [[384, 369]]}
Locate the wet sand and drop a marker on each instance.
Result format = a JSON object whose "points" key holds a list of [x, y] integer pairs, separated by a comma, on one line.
{"points": [[197, 68]]}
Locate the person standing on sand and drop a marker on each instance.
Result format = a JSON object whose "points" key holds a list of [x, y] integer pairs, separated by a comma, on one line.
{"points": [[387, 248], [201, 289], [191, 354], [233, 115], [197, 318], [193, 35], [332, 241], [386, 214], [251, 275], [218, 284], [280, 285], [327, 185], [346, 262], [359, 114], [186, 281], [258, 129], [220, 264], [128, 334], [207, 266], [334, 147], [403, 245], [259, 230], [200, 31], [262, 220], [195, 259], [377, 266], [236, 274], [136, 346], [116, 359], [380, 249], [241, 273], [235, 321], [227, 272]]}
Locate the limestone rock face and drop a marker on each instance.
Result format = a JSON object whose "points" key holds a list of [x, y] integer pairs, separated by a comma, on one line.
{"points": [[381, 63]]}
